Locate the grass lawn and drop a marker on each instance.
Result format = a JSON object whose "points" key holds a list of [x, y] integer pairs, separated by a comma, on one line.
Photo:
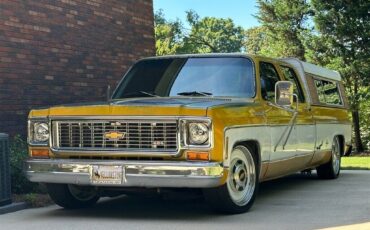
{"points": [[359, 163]]}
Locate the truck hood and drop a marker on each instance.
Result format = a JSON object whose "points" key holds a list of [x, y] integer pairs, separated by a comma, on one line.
{"points": [[165, 106]]}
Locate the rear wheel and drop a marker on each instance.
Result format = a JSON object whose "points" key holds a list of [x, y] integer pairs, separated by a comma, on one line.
{"points": [[72, 196], [238, 193], [331, 169]]}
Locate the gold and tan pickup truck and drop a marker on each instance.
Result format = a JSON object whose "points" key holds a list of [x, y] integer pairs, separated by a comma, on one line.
{"points": [[221, 123]]}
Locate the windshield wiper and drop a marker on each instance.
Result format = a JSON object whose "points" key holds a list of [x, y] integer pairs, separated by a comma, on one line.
{"points": [[140, 93], [194, 93]]}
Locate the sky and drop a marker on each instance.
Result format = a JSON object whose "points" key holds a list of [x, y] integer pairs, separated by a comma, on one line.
{"points": [[240, 11]]}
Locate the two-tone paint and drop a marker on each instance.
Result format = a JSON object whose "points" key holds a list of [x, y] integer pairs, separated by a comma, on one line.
{"points": [[235, 121]]}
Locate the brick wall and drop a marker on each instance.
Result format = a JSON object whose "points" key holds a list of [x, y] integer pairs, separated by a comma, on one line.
{"points": [[62, 51]]}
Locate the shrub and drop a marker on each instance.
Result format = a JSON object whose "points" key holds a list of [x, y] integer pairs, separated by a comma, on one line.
{"points": [[18, 154]]}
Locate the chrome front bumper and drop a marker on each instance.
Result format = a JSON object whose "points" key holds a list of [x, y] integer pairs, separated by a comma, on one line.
{"points": [[137, 173]]}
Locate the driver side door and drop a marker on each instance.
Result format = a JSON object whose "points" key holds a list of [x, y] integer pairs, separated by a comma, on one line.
{"points": [[283, 134]]}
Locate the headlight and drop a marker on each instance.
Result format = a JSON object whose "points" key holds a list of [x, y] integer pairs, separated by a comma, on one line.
{"points": [[41, 132], [38, 132], [198, 133]]}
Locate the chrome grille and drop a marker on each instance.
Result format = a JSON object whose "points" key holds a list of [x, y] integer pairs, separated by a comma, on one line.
{"points": [[116, 135]]}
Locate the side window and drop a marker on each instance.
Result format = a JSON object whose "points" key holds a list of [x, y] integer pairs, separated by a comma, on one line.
{"points": [[269, 77], [320, 91], [290, 75], [328, 92]]}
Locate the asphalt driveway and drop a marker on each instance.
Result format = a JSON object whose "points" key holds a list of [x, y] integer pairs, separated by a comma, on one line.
{"points": [[295, 202]]}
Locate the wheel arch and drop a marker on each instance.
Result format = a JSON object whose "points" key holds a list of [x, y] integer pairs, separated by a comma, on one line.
{"points": [[256, 138], [255, 148], [341, 143]]}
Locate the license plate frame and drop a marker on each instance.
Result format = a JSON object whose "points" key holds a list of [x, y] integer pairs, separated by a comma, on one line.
{"points": [[107, 174]]}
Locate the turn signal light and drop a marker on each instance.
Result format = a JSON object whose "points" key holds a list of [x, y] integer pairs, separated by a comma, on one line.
{"points": [[40, 153], [197, 156]]}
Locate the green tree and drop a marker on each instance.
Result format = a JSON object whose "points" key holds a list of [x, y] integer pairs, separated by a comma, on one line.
{"points": [[212, 35], [285, 25], [206, 35], [345, 28], [168, 34], [365, 116], [257, 40]]}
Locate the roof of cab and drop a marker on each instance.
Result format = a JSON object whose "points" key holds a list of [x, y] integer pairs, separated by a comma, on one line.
{"points": [[200, 55], [313, 69]]}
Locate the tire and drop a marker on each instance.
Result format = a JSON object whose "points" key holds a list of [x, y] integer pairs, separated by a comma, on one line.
{"points": [[72, 196], [238, 193], [331, 169]]}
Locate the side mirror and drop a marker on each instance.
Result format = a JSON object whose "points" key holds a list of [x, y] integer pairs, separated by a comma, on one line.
{"points": [[284, 93]]}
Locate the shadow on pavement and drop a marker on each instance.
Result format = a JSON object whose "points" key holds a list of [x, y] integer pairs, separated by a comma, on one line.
{"points": [[144, 207]]}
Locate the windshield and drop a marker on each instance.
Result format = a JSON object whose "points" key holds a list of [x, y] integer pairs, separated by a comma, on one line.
{"points": [[218, 76]]}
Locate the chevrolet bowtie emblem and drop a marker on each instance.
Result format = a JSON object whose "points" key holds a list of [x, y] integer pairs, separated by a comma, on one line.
{"points": [[114, 136]]}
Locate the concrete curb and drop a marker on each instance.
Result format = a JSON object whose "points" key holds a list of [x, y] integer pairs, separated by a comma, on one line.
{"points": [[13, 207]]}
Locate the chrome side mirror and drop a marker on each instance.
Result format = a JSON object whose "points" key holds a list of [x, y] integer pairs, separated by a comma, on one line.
{"points": [[284, 93]]}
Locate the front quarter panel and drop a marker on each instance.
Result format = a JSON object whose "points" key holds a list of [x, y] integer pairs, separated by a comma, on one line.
{"points": [[239, 123]]}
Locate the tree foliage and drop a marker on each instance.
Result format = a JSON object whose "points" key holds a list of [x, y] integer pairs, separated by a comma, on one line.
{"points": [[213, 35], [345, 28], [168, 35], [206, 35], [258, 41], [364, 109], [285, 24]]}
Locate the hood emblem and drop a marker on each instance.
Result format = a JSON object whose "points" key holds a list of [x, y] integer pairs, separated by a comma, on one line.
{"points": [[114, 135]]}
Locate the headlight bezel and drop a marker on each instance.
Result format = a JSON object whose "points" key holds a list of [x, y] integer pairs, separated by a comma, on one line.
{"points": [[32, 141], [186, 142]]}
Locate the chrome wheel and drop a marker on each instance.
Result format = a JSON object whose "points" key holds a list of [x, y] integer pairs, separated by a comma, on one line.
{"points": [[331, 169], [241, 182], [82, 193], [336, 156], [237, 195]]}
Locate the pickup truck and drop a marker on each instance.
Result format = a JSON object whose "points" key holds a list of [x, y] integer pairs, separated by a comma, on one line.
{"points": [[218, 123]]}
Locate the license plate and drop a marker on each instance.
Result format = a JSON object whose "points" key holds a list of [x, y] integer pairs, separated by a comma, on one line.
{"points": [[107, 174]]}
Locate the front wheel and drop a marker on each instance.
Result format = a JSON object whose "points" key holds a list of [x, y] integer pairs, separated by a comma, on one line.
{"points": [[72, 196], [238, 193], [331, 169]]}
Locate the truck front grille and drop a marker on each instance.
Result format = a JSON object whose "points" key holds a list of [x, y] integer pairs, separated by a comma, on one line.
{"points": [[124, 135]]}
